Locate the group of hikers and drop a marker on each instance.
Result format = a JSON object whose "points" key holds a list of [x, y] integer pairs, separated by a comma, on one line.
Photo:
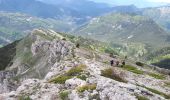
{"points": [[116, 62], [113, 62]]}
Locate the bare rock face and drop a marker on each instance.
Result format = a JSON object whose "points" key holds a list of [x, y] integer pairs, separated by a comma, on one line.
{"points": [[74, 82], [7, 84], [115, 90], [35, 55], [54, 51], [43, 54], [38, 90]]}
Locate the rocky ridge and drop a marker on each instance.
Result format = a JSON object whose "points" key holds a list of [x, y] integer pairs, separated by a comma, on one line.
{"points": [[56, 69]]}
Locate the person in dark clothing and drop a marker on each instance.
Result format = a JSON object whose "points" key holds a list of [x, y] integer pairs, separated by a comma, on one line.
{"points": [[125, 57], [112, 62], [117, 63], [77, 45], [123, 63], [111, 54]]}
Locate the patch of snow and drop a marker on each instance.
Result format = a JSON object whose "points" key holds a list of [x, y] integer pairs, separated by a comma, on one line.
{"points": [[29, 19], [131, 36]]}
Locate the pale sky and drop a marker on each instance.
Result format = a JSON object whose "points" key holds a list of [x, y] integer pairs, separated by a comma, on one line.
{"points": [[163, 1], [139, 3]]}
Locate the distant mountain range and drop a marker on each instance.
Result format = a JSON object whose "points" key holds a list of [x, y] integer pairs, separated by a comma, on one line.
{"points": [[125, 28], [160, 14], [133, 35], [79, 10], [131, 30], [14, 26]]}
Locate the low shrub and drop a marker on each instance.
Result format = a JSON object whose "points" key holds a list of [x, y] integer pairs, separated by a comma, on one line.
{"points": [[24, 98], [141, 97], [133, 69], [60, 79], [139, 64], [64, 95], [157, 76], [158, 92], [76, 70], [167, 84], [86, 87], [110, 73], [82, 77]]}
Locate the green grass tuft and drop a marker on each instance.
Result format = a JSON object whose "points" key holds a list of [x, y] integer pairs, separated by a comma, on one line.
{"points": [[157, 76], [133, 69], [167, 84], [64, 95], [139, 64], [158, 92], [82, 77], [141, 97], [86, 87], [60, 79], [24, 98], [76, 70], [110, 74]]}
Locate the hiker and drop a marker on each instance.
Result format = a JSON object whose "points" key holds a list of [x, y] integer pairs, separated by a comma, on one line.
{"points": [[123, 63], [117, 63], [114, 56], [125, 57], [112, 62], [111, 54], [77, 45]]}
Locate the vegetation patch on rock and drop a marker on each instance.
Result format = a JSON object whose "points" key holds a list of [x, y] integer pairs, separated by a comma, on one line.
{"points": [[110, 73], [60, 79], [24, 98], [82, 77], [86, 87], [167, 84], [139, 64], [133, 69], [64, 95], [75, 71], [141, 97], [157, 76], [158, 92]]}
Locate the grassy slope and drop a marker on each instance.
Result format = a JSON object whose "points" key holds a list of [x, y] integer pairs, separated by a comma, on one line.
{"points": [[7, 53], [119, 27]]}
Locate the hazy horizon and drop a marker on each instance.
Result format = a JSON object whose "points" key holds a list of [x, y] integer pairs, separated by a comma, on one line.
{"points": [[138, 3]]}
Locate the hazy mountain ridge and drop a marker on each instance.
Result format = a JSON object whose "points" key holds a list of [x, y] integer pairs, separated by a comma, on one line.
{"points": [[78, 12], [124, 27], [15, 25], [160, 15]]}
